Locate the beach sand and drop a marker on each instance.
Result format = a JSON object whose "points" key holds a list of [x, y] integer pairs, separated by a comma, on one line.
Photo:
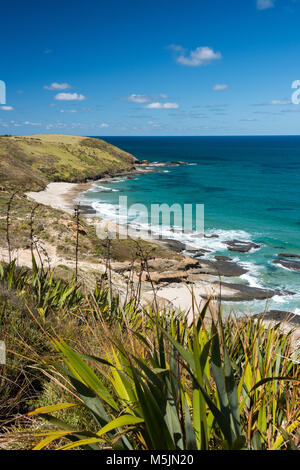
{"points": [[60, 196]]}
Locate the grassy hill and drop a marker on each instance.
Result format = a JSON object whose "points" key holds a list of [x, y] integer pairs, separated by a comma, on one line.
{"points": [[31, 162]]}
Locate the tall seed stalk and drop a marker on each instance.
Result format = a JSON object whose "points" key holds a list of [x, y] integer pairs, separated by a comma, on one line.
{"points": [[8, 223], [76, 215]]}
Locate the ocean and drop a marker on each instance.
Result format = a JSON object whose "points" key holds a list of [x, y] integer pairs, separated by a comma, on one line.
{"points": [[250, 188]]}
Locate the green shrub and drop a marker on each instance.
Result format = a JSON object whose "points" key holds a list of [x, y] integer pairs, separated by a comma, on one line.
{"points": [[132, 378]]}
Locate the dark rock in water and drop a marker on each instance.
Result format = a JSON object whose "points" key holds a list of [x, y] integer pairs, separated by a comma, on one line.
{"points": [[222, 258], [241, 246], [173, 245], [280, 316], [292, 265], [212, 189], [247, 293], [196, 252], [162, 164], [85, 209], [221, 268], [277, 209], [288, 255], [182, 230], [202, 235]]}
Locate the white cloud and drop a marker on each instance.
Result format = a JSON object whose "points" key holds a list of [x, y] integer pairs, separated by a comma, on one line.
{"points": [[153, 124], [137, 98], [57, 86], [291, 110], [274, 102], [69, 97], [58, 125], [219, 87], [68, 111], [133, 98], [176, 48], [158, 105], [103, 125], [199, 57], [6, 108], [29, 123], [264, 4]]}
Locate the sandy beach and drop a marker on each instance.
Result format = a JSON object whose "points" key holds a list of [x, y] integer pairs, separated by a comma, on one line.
{"points": [[59, 195], [62, 195]]}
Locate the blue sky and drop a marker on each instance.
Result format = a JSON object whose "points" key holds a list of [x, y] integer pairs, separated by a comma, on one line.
{"points": [[167, 67]]}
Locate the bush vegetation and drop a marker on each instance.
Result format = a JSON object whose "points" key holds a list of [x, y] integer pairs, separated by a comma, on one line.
{"points": [[87, 371]]}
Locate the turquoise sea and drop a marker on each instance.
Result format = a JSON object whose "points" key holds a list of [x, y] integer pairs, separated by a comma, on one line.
{"points": [[250, 187]]}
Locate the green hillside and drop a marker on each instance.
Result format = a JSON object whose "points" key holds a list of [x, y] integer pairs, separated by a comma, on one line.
{"points": [[31, 162]]}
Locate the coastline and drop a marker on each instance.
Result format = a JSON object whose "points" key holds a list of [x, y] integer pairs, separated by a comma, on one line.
{"points": [[62, 195], [189, 285], [206, 275]]}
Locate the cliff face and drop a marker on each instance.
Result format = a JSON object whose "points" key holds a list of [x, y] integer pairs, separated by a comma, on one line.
{"points": [[31, 162]]}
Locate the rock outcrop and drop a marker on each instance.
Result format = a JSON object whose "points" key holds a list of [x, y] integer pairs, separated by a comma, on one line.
{"points": [[285, 263], [241, 246]]}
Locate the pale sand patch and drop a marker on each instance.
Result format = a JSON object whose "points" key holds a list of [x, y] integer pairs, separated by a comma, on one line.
{"points": [[59, 195], [54, 196], [188, 297], [23, 258]]}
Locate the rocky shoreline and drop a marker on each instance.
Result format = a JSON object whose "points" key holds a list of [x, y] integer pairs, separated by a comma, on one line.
{"points": [[209, 277]]}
